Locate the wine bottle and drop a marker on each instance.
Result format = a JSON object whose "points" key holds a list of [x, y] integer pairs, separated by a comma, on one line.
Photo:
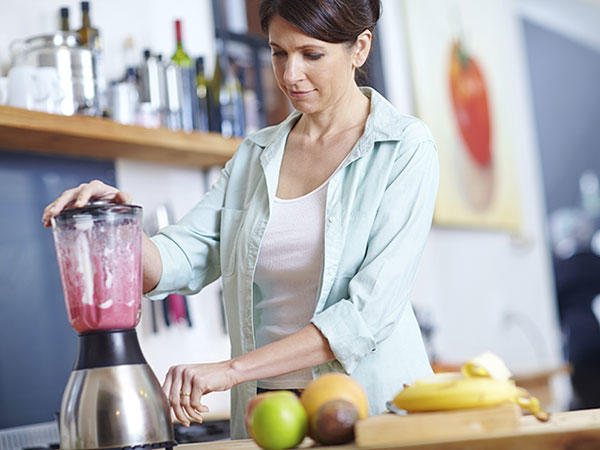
{"points": [[250, 104], [187, 80], [180, 57], [213, 97], [232, 103], [88, 35], [202, 94], [226, 108], [64, 19]]}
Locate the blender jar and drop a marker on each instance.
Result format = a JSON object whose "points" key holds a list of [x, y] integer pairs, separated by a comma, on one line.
{"points": [[99, 252]]}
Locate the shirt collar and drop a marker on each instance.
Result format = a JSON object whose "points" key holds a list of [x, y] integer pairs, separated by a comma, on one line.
{"points": [[384, 123]]}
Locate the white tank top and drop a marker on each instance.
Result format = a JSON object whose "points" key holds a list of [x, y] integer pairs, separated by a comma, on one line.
{"points": [[288, 275]]}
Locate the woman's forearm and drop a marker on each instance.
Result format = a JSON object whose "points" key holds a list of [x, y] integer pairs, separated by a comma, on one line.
{"points": [[151, 264], [305, 348]]}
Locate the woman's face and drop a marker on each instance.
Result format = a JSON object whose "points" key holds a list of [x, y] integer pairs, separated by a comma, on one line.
{"points": [[313, 74]]}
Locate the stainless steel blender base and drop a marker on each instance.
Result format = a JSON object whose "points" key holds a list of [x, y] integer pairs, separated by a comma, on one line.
{"points": [[114, 407]]}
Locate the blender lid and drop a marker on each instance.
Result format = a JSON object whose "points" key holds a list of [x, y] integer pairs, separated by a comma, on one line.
{"points": [[98, 209]]}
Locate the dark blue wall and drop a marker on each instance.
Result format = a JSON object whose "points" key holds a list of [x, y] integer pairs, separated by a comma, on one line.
{"points": [[37, 345], [565, 84]]}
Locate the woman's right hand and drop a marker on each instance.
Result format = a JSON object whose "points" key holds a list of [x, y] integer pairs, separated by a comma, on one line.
{"points": [[79, 196]]}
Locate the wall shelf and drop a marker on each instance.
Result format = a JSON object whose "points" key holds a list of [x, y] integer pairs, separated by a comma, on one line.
{"points": [[93, 137]]}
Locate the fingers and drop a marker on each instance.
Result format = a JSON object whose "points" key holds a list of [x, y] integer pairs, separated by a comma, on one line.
{"points": [[184, 391], [80, 196], [174, 395], [83, 195], [123, 197], [166, 387], [191, 397], [54, 208], [94, 189]]}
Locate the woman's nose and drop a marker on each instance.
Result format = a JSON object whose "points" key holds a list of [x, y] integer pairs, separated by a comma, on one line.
{"points": [[293, 71]]}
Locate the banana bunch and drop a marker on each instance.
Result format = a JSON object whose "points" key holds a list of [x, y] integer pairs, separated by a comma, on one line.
{"points": [[473, 387]]}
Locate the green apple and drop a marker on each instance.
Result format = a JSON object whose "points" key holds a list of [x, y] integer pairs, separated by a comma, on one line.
{"points": [[278, 421], [255, 401]]}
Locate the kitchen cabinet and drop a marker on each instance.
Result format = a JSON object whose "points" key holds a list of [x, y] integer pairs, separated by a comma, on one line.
{"points": [[565, 430], [94, 137]]}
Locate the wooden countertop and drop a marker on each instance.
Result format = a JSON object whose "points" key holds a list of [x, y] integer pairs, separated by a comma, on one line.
{"points": [[94, 137], [565, 431]]}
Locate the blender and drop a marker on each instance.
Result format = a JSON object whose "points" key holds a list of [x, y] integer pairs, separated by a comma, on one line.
{"points": [[112, 399]]}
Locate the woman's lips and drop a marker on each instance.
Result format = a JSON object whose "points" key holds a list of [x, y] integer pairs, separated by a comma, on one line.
{"points": [[300, 94]]}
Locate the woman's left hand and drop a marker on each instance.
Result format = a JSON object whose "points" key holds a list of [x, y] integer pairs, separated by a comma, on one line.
{"points": [[185, 385]]}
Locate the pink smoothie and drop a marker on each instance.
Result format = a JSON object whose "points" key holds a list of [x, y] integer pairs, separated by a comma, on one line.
{"points": [[101, 273]]}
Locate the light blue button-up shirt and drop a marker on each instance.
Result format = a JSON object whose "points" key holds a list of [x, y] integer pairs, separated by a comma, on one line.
{"points": [[378, 215]]}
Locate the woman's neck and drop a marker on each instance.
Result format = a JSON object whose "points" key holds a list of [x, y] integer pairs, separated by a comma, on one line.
{"points": [[350, 111]]}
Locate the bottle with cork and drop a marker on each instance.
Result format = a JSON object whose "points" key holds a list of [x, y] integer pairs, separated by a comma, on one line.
{"points": [[89, 36], [64, 19]]}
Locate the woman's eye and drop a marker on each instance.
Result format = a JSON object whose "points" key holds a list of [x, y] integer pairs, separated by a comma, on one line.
{"points": [[314, 56], [277, 53]]}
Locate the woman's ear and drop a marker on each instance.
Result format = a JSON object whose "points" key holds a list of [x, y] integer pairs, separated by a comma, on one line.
{"points": [[361, 49]]}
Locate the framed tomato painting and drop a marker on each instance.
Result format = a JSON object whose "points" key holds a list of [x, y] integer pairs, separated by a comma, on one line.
{"points": [[458, 70]]}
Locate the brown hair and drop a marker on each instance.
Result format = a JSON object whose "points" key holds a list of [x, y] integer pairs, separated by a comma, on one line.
{"points": [[334, 21]]}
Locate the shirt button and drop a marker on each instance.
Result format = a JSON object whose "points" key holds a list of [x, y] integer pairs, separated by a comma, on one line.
{"points": [[331, 219]]}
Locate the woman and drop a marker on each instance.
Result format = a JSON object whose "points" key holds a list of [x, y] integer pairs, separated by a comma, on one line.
{"points": [[316, 226]]}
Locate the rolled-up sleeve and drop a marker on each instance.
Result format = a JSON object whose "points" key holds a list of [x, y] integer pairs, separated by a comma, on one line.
{"points": [[189, 250], [379, 291]]}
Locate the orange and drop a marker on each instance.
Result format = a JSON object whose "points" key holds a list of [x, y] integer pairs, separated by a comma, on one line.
{"points": [[334, 386]]}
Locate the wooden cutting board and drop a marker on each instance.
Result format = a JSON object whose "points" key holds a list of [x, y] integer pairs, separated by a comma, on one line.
{"points": [[394, 429], [571, 430]]}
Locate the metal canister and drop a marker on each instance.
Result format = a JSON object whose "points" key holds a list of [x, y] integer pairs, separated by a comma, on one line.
{"points": [[76, 66], [175, 97], [153, 90]]}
